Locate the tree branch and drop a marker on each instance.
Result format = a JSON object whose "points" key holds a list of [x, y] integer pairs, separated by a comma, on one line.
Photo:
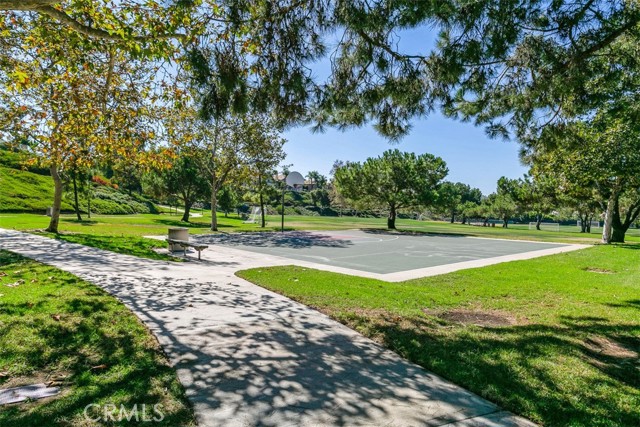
{"points": [[25, 4], [60, 16], [606, 41]]}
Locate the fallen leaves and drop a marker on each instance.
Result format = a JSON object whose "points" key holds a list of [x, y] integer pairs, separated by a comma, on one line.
{"points": [[98, 367], [15, 284], [57, 380]]}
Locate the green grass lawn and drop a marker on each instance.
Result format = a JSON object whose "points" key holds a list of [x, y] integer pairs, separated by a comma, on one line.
{"points": [[124, 233], [555, 339], [57, 328], [130, 228]]}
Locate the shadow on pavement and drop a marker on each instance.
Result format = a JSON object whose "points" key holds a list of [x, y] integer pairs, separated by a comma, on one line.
{"points": [[289, 239]]}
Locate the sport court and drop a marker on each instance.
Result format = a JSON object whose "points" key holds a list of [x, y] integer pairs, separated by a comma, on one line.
{"points": [[382, 254]]}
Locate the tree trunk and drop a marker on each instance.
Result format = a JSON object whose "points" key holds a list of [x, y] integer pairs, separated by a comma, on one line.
{"points": [[391, 219], [187, 210], [608, 220], [453, 217], [505, 222], [88, 198], [464, 219], [57, 199], [618, 228], [588, 224], [617, 234], [75, 197], [262, 219], [214, 205]]}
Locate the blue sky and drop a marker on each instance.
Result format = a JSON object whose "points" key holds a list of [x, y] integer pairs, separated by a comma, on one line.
{"points": [[472, 157]]}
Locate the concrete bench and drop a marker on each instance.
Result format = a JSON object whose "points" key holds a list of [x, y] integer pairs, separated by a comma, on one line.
{"points": [[186, 244]]}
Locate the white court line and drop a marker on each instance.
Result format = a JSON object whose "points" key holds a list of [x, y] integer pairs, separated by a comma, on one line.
{"points": [[452, 235], [363, 239], [445, 268], [449, 268], [269, 259], [266, 259], [515, 240]]}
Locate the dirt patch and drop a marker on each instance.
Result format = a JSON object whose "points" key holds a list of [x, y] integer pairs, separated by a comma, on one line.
{"points": [[608, 347], [58, 379], [474, 317], [51, 379], [598, 270]]}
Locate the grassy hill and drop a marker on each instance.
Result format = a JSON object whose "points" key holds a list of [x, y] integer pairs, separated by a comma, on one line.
{"points": [[31, 190], [24, 191]]}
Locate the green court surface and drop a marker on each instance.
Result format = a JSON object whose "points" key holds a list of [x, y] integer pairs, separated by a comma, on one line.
{"points": [[381, 252]]}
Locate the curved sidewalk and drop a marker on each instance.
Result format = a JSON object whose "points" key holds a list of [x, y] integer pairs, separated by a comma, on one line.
{"points": [[248, 356]]}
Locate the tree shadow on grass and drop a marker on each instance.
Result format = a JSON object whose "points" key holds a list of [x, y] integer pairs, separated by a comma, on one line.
{"points": [[89, 329], [192, 224], [84, 222], [634, 246], [128, 245], [633, 303], [524, 368]]}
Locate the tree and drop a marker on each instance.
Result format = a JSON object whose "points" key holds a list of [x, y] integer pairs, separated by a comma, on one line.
{"points": [[501, 205], [264, 153], [453, 196], [320, 197], [131, 23], [527, 63], [80, 180], [602, 154], [227, 199], [230, 149], [154, 185], [395, 180], [219, 148], [558, 190], [317, 180], [517, 197], [472, 210], [184, 179], [127, 174], [538, 196], [73, 103]]}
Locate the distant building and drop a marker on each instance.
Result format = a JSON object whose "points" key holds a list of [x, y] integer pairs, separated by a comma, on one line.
{"points": [[280, 178]]}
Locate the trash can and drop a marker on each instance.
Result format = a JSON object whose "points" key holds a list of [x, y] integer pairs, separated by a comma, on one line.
{"points": [[178, 233]]}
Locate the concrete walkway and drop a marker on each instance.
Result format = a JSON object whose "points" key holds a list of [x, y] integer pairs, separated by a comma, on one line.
{"points": [[249, 357]]}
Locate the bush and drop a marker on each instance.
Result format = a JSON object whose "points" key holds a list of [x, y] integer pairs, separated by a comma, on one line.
{"points": [[109, 201], [101, 180]]}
